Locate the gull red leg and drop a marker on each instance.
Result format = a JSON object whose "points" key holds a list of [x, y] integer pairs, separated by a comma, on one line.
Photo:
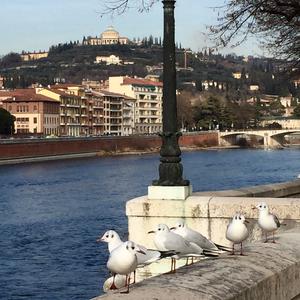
{"points": [[266, 238], [113, 286]]}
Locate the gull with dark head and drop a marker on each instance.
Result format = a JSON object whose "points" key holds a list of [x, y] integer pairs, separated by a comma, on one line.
{"points": [[267, 222], [237, 231]]}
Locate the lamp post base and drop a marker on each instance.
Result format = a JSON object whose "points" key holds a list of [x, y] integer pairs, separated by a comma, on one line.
{"points": [[170, 168]]}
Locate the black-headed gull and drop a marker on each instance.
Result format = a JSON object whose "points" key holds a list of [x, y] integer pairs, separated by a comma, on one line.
{"points": [[237, 231], [267, 222]]}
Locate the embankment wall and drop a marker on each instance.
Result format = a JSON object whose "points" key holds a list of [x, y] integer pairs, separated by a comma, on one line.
{"points": [[11, 149]]}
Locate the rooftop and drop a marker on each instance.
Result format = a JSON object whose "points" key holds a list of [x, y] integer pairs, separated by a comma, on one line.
{"points": [[24, 95], [141, 82]]}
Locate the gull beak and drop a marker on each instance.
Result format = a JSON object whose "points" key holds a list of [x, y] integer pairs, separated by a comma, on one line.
{"points": [[172, 228], [141, 251], [99, 240], [247, 221], [152, 231]]}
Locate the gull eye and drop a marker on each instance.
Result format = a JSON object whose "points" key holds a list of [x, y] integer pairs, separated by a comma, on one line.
{"points": [[179, 225], [240, 218], [127, 247], [107, 236], [132, 247], [158, 229], [260, 206], [265, 207], [112, 236]]}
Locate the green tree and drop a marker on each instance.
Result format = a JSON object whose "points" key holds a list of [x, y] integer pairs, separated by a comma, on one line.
{"points": [[6, 122]]}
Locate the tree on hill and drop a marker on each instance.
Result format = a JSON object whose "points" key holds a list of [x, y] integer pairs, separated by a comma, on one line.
{"points": [[6, 122], [276, 21], [10, 60]]}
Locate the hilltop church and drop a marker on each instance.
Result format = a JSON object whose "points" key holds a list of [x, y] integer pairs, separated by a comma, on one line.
{"points": [[109, 37]]}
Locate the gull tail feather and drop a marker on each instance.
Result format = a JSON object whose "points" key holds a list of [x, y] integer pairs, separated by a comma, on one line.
{"points": [[164, 254], [223, 248], [209, 253]]}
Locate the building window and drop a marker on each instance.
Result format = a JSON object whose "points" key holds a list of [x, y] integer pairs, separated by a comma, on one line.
{"points": [[35, 108], [35, 120]]}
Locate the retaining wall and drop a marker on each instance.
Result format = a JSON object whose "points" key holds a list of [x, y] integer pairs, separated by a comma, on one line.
{"points": [[10, 149]]}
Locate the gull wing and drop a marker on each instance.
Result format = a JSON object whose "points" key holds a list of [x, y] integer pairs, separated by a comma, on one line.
{"points": [[276, 220]]}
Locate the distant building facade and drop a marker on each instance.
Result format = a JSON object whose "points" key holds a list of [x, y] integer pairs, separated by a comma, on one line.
{"points": [[109, 60], [148, 104], [109, 37], [34, 113], [28, 56]]}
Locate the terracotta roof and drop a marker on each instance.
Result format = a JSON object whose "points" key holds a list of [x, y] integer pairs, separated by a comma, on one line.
{"points": [[24, 95], [141, 82]]}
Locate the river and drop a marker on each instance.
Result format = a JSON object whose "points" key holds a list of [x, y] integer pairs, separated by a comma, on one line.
{"points": [[52, 212]]}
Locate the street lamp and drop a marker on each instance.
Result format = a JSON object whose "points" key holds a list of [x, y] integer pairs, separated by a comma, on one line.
{"points": [[170, 168]]}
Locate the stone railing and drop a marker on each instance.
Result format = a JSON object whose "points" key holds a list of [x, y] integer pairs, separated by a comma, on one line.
{"points": [[267, 272], [270, 271]]}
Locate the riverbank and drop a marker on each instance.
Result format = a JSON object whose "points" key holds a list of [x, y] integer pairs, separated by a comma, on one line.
{"points": [[30, 150]]}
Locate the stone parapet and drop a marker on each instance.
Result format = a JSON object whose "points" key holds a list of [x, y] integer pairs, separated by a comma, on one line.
{"points": [[268, 272]]}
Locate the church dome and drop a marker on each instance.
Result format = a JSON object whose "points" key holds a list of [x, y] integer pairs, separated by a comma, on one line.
{"points": [[110, 33]]}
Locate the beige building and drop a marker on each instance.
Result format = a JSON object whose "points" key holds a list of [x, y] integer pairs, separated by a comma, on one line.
{"points": [[73, 110], [27, 56], [35, 113], [148, 105], [286, 123], [109, 37]]}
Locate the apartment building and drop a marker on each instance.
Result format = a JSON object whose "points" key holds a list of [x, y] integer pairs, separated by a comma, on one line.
{"points": [[148, 101], [34, 113], [73, 110], [95, 112]]}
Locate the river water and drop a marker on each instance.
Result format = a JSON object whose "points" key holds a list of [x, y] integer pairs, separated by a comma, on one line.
{"points": [[52, 212]]}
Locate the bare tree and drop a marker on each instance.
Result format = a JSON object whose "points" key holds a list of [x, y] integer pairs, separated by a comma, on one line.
{"points": [[117, 7], [276, 22]]}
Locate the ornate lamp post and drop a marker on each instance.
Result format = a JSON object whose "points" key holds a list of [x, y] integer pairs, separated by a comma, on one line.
{"points": [[170, 168]]}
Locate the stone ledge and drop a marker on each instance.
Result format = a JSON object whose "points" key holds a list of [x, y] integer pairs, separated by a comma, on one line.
{"points": [[269, 271], [276, 190]]}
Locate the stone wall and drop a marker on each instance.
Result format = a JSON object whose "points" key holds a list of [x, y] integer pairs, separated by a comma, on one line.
{"points": [[10, 149], [267, 272]]}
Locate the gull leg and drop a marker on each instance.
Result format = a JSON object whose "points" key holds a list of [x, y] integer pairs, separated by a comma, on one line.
{"points": [[174, 270], [187, 261], [127, 284], [232, 253], [273, 239], [266, 238], [113, 286], [134, 276], [192, 259], [242, 250]]}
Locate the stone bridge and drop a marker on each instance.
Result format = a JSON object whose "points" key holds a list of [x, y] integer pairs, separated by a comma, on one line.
{"points": [[271, 138]]}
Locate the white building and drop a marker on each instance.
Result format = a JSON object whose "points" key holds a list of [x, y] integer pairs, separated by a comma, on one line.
{"points": [[109, 37], [109, 60], [148, 105]]}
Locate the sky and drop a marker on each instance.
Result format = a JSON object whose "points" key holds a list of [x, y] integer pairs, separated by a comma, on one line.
{"points": [[36, 25]]}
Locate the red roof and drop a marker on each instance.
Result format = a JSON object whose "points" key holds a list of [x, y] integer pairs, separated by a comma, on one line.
{"points": [[62, 93], [24, 95], [141, 82]]}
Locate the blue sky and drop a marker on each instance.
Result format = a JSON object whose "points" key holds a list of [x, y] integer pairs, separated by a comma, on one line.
{"points": [[34, 24]]}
